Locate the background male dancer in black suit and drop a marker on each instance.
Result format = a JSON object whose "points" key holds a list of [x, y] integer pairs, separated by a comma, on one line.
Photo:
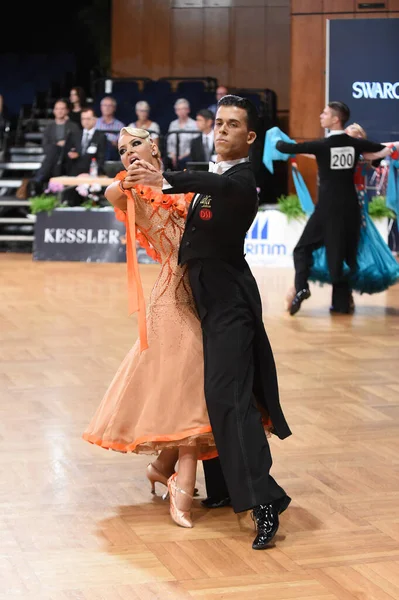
{"points": [[240, 371], [335, 222]]}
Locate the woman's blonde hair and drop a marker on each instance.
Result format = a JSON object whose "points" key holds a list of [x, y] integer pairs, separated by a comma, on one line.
{"points": [[136, 132], [359, 129], [143, 134]]}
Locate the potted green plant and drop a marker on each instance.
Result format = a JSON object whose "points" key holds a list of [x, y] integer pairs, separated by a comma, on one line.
{"points": [[379, 210], [291, 207], [48, 201]]}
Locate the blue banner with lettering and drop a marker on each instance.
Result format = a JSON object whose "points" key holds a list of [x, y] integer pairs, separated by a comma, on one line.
{"points": [[363, 72]]}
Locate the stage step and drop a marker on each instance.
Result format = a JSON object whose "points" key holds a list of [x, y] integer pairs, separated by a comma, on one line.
{"points": [[15, 220], [17, 238], [26, 150], [10, 183], [20, 166], [13, 202], [40, 122], [20, 158], [33, 137]]}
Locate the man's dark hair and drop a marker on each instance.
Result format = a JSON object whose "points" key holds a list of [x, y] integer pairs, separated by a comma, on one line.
{"points": [[64, 101], [342, 111], [245, 104], [207, 114], [87, 109]]}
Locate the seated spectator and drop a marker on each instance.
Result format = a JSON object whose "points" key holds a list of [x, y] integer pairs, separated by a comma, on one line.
{"points": [[142, 109], [92, 144], [178, 146], [77, 99], [108, 122], [55, 136], [203, 146], [220, 92]]}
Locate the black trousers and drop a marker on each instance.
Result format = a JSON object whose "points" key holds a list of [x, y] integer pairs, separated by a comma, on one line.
{"points": [[216, 486], [228, 327], [51, 165], [313, 237]]}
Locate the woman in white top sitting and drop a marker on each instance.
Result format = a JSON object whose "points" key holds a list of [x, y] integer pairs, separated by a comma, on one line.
{"points": [[144, 122]]}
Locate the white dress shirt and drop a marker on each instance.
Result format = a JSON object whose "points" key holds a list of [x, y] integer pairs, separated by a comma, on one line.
{"points": [[207, 142], [86, 138], [225, 165], [335, 132]]}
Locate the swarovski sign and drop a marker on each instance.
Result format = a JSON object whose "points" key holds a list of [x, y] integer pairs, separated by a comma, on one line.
{"points": [[367, 81], [375, 90]]}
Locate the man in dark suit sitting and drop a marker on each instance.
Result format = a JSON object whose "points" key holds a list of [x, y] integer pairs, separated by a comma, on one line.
{"points": [[91, 145], [203, 146], [56, 136]]}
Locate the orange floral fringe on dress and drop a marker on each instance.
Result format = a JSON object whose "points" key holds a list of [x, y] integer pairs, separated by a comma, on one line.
{"points": [[135, 287]]}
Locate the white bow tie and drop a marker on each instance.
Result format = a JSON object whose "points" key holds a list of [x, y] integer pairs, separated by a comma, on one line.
{"points": [[215, 168]]}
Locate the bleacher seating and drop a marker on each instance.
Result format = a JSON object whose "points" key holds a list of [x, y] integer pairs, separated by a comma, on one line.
{"points": [[23, 152], [23, 76]]}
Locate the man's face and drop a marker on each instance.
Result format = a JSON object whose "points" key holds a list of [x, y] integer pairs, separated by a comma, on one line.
{"points": [[182, 111], [328, 118], [204, 125], [88, 120], [107, 108], [200, 123], [232, 138], [60, 110], [220, 92]]}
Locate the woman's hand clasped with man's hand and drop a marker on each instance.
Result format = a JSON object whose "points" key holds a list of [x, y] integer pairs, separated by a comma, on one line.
{"points": [[142, 173]]}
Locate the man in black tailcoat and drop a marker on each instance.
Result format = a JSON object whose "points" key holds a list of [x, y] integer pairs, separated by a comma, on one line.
{"points": [[240, 373], [335, 222]]}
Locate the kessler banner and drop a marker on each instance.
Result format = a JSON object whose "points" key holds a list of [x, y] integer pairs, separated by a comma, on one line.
{"points": [[362, 70], [77, 234]]}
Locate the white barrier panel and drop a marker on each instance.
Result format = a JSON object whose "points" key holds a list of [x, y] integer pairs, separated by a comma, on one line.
{"points": [[272, 238]]}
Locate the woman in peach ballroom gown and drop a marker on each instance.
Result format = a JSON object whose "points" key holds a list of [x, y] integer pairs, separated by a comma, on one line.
{"points": [[155, 402]]}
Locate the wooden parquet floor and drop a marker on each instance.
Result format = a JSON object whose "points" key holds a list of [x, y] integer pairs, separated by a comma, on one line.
{"points": [[79, 523]]}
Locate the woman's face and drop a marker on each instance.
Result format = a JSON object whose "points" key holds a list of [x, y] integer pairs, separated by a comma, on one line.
{"points": [[133, 148], [74, 96], [142, 114]]}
